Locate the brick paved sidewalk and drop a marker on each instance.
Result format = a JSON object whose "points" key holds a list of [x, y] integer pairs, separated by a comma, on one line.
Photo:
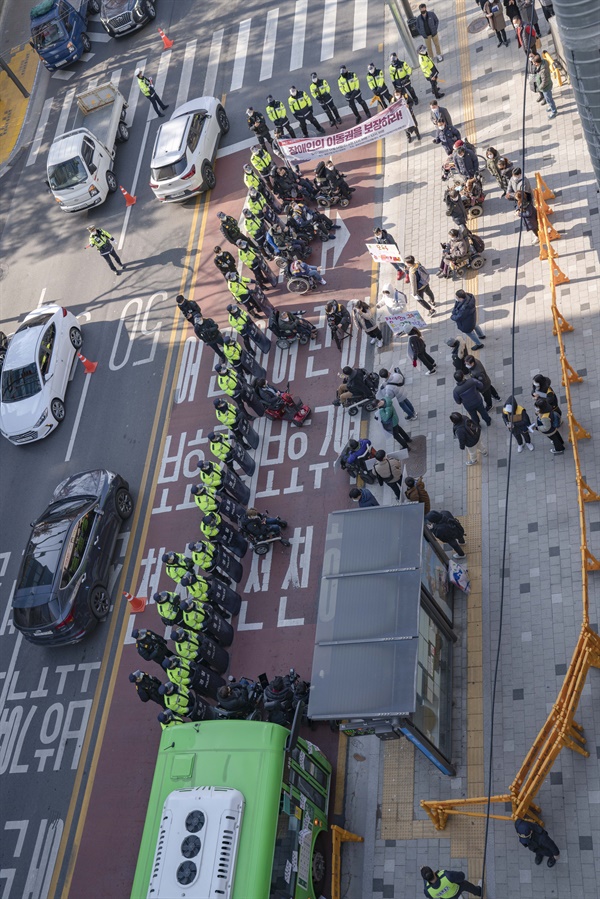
{"points": [[542, 613]]}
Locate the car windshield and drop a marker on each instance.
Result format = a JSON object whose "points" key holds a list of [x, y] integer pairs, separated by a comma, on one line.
{"points": [[66, 508], [43, 553], [40, 614], [67, 174], [20, 383], [36, 321], [47, 35], [173, 170]]}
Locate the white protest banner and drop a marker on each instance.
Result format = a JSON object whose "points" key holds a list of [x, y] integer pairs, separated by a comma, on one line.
{"points": [[397, 321], [384, 252], [395, 118]]}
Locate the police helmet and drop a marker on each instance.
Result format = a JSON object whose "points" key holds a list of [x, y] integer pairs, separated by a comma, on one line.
{"points": [[220, 368], [219, 402], [227, 338], [233, 309], [197, 490], [167, 689], [248, 168], [186, 580], [170, 662], [178, 634], [210, 519], [135, 676], [212, 436], [169, 558], [135, 633], [221, 215], [186, 605], [232, 276]]}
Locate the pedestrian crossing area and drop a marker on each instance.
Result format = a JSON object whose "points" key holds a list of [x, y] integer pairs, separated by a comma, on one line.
{"points": [[255, 51]]}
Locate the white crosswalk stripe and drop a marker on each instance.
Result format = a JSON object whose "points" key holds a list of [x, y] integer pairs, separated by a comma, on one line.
{"points": [[99, 37], [299, 34], [359, 36], [212, 68], [64, 113], [186, 73], [328, 37], [241, 51], [268, 54], [39, 134]]}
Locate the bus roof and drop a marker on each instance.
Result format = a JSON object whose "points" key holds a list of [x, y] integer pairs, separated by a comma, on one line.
{"points": [[245, 755]]}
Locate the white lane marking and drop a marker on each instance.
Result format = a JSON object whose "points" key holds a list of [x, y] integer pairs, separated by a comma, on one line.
{"points": [[186, 73], [134, 93], [268, 54], [282, 621], [76, 423], [133, 187], [64, 113], [210, 80], [92, 83], [328, 38], [11, 669], [116, 77], [241, 51], [99, 37], [66, 76], [297, 56], [159, 81], [39, 134], [359, 37], [85, 57], [42, 295]]}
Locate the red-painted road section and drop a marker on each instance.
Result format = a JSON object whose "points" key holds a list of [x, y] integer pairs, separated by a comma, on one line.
{"points": [[296, 480]]}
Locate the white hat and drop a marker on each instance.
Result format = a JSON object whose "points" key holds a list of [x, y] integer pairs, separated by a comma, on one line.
{"points": [[138, 72]]}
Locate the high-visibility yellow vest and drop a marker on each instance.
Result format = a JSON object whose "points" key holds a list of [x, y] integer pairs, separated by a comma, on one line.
{"points": [[400, 71], [220, 448], [276, 111], [376, 79], [319, 89], [239, 288], [446, 889], [233, 354], [427, 65], [348, 83], [261, 161], [239, 321], [299, 102]]}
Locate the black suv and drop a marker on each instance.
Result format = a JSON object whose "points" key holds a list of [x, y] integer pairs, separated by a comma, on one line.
{"points": [[61, 590], [122, 16]]}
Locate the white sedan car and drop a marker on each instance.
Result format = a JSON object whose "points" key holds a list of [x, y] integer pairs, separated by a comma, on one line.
{"points": [[185, 148], [35, 374]]}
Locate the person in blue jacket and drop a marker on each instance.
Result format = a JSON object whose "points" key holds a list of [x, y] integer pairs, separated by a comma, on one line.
{"points": [[464, 315], [363, 497]]}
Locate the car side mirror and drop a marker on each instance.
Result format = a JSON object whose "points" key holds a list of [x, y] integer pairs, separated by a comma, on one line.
{"points": [[93, 168]]}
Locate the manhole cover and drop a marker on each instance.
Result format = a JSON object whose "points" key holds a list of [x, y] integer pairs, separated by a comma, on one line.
{"points": [[477, 25], [3, 271]]}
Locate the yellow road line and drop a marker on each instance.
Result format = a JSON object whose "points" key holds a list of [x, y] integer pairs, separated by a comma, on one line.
{"points": [[105, 660]]}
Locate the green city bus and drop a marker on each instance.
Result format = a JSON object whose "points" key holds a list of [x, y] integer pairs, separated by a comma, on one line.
{"points": [[238, 810]]}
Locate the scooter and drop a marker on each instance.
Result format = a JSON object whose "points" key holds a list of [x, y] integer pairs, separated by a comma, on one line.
{"points": [[290, 409]]}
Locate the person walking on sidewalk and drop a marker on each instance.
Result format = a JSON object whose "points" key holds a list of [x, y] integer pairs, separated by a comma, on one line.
{"points": [[363, 497], [439, 113], [538, 840], [468, 393], [476, 369], [278, 115], [427, 24], [376, 83], [493, 14], [547, 422], [447, 883], [301, 108], [418, 278], [447, 529], [321, 92], [543, 82], [147, 88], [517, 421], [464, 315], [366, 321], [527, 211], [103, 242], [391, 423], [417, 351], [416, 493], [469, 435], [392, 386], [446, 135], [430, 71], [349, 87], [388, 471]]}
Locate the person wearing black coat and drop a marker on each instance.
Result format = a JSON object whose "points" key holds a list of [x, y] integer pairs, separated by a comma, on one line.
{"points": [[464, 314], [224, 261], [538, 840], [459, 353], [147, 687], [541, 388], [455, 207], [417, 350], [447, 529], [476, 369], [517, 421], [151, 646], [207, 330], [229, 228], [466, 161], [446, 135], [469, 435], [468, 393], [188, 308]]}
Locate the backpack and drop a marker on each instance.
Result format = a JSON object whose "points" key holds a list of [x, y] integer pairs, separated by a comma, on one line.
{"points": [[472, 429], [478, 244]]}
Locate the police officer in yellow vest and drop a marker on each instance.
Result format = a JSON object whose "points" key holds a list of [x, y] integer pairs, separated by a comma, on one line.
{"points": [[219, 478], [103, 242], [235, 386], [169, 718], [225, 448], [177, 565], [278, 115], [179, 672], [209, 557], [239, 288], [241, 322], [257, 265], [167, 606], [208, 500], [400, 73], [376, 82], [262, 160], [206, 650], [147, 88], [194, 676], [259, 204], [178, 699], [187, 645], [254, 181], [446, 884], [430, 70], [321, 92], [301, 108], [349, 86]]}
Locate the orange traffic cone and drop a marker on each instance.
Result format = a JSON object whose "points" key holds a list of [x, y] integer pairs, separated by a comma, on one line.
{"points": [[129, 200], [136, 603], [90, 367], [167, 42]]}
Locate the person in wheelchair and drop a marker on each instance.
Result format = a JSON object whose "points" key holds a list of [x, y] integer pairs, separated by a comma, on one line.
{"points": [[268, 395], [339, 320], [455, 253], [300, 269], [258, 527], [289, 324], [356, 385], [354, 456]]}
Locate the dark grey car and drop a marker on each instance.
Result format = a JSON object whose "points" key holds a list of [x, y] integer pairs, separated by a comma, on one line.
{"points": [[61, 591], [123, 16]]}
